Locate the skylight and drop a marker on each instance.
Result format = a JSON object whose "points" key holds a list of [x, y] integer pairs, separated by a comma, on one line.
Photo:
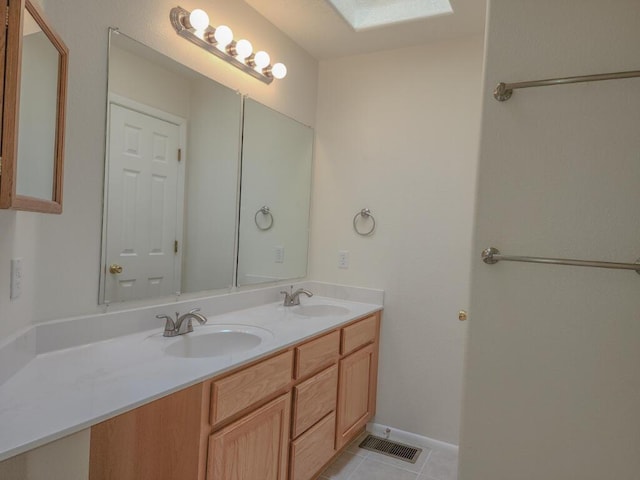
{"points": [[365, 14]]}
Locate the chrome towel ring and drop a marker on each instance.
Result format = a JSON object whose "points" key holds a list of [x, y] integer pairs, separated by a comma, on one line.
{"points": [[366, 214], [266, 212]]}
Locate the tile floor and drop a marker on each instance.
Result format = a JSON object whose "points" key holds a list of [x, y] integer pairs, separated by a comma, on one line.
{"points": [[358, 464]]}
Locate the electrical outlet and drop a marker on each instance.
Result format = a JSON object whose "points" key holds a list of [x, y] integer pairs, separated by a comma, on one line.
{"points": [[16, 278], [343, 259]]}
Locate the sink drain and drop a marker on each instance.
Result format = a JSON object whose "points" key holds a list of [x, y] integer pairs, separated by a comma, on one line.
{"points": [[392, 449]]}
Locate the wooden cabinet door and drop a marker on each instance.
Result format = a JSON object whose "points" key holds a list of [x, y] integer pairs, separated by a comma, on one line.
{"points": [[158, 441], [254, 447], [356, 393]]}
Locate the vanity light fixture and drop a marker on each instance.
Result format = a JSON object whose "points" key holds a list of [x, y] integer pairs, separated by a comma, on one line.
{"points": [[194, 26]]}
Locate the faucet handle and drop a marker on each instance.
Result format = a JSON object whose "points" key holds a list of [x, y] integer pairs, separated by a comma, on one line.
{"points": [[287, 298], [169, 324], [287, 295]]}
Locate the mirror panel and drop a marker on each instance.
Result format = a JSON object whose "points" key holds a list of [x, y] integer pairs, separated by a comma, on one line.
{"points": [[37, 119], [277, 153], [173, 149], [34, 97]]}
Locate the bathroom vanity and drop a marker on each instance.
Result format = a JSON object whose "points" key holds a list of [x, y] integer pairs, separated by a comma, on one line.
{"points": [[260, 386], [283, 416]]}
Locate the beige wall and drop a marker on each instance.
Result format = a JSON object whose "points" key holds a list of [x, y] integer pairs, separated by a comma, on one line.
{"points": [[61, 253], [398, 132], [552, 378], [65, 459]]}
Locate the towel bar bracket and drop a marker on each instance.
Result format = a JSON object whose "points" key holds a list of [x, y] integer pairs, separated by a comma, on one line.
{"points": [[502, 93]]}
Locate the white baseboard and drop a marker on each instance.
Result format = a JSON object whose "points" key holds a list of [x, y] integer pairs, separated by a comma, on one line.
{"points": [[410, 438]]}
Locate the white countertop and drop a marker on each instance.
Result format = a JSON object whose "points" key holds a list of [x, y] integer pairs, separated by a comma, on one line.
{"points": [[65, 391]]}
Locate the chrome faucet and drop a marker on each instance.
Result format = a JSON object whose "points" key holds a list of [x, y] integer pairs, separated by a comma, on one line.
{"points": [[292, 298], [182, 323]]}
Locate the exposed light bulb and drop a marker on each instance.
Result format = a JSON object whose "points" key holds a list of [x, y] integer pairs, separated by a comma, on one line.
{"points": [[279, 71], [243, 49], [223, 35], [199, 20], [262, 59]]}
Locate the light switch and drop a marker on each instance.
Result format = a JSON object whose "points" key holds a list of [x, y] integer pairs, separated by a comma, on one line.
{"points": [[279, 254], [16, 278]]}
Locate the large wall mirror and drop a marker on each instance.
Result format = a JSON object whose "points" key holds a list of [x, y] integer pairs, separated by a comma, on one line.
{"points": [[174, 142], [34, 111], [274, 206], [171, 177]]}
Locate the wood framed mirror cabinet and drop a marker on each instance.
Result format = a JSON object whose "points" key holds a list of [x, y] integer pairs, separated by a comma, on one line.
{"points": [[33, 82]]}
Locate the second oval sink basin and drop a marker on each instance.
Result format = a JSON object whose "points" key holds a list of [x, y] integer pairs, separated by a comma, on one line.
{"points": [[320, 310], [218, 340]]}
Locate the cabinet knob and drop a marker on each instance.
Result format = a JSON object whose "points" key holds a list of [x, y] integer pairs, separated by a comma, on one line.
{"points": [[462, 315], [115, 269]]}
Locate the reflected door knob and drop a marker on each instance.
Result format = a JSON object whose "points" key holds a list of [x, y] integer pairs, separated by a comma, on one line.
{"points": [[115, 269], [462, 315]]}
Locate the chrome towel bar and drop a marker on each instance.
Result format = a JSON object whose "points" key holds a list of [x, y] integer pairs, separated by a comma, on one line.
{"points": [[493, 255], [504, 91]]}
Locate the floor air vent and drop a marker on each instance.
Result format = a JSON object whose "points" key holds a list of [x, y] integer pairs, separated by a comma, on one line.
{"points": [[392, 449]]}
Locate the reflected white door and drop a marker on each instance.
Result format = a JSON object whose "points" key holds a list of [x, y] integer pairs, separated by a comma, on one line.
{"points": [[142, 206]]}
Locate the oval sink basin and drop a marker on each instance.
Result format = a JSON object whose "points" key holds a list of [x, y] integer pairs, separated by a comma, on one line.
{"points": [[320, 310], [218, 340]]}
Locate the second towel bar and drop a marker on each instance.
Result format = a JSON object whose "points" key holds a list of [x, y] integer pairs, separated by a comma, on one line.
{"points": [[504, 91], [492, 255]]}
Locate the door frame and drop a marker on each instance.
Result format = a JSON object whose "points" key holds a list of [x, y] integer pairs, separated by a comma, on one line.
{"points": [[181, 123]]}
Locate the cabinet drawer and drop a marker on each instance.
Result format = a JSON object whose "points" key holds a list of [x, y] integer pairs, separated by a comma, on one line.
{"points": [[249, 386], [359, 334], [313, 399], [313, 450], [317, 354]]}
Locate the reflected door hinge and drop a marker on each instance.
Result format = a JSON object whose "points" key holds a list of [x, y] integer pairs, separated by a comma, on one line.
{"points": [[179, 154], [175, 246]]}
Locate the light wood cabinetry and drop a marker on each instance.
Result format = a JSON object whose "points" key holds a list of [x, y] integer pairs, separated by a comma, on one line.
{"points": [[248, 387], [356, 393], [317, 354], [282, 418], [158, 441], [358, 334], [254, 447], [313, 399], [311, 451]]}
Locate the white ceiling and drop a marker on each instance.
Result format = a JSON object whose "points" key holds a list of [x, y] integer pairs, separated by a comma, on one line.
{"points": [[321, 31]]}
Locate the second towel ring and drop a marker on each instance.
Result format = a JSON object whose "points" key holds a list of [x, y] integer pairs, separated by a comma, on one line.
{"points": [[366, 213], [264, 211]]}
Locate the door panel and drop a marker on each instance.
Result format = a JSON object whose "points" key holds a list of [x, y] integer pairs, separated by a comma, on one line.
{"points": [[356, 393], [255, 447], [142, 223]]}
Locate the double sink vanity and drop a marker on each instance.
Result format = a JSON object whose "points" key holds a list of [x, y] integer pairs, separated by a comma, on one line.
{"points": [[241, 386], [269, 392]]}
